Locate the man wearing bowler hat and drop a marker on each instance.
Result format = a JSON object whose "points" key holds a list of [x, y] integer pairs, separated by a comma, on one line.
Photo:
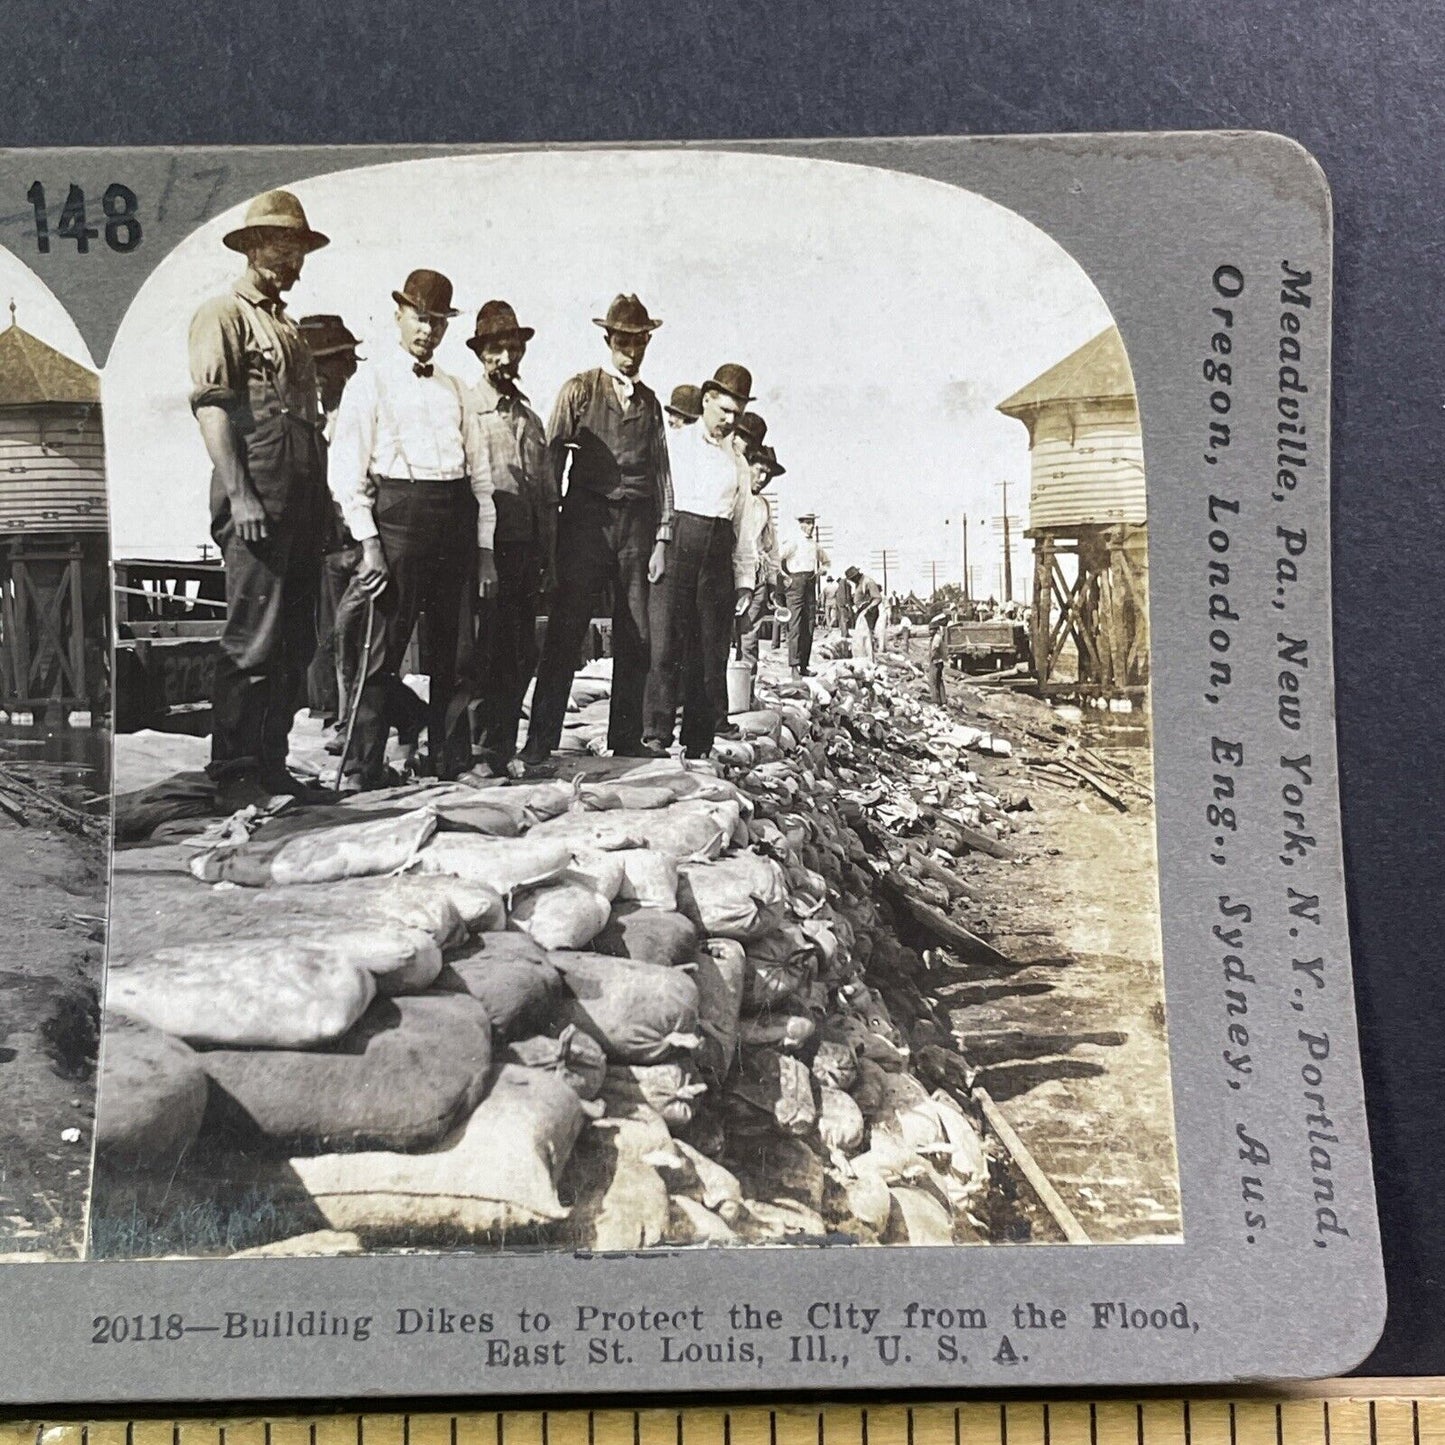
{"points": [[253, 392], [704, 586], [802, 562], [616, 519], [401, 473], [510, 450], [684, 406]]}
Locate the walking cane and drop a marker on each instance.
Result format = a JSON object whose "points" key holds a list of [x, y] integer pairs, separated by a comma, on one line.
{"points": [[353, 703]]}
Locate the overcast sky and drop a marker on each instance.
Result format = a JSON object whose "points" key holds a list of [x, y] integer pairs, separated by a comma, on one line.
{"points": [[883, 317], [37, 311]]}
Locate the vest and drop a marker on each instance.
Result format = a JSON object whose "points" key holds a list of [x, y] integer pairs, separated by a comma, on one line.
{"points": [[615, 455]]}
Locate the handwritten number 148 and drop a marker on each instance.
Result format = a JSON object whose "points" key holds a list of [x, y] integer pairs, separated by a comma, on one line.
{"points": [[122, 225]]}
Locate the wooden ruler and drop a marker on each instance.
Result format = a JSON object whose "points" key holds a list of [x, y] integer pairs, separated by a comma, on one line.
{"points": [[1346, 1413]]}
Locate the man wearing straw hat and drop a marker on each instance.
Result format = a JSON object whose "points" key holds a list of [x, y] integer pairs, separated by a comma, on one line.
{"points": [[253, 392], [402, 474], [802, 561], [510, 449], [609, 439], [704, 586]]}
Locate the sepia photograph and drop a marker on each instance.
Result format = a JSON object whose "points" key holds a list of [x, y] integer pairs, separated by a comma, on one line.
{"points": [[632, 721]]}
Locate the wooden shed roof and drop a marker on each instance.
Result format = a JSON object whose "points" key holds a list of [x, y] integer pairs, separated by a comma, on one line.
{"points": [[32, 373], [1098, 369]]}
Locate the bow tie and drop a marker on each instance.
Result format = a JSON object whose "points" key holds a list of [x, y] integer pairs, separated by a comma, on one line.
{"points": [[423, 368]]}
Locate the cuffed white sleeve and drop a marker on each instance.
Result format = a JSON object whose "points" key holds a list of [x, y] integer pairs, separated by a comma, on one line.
{"points": [[349, 462]]}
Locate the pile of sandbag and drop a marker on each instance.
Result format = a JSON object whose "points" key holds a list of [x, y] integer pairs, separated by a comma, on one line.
{"points": [[655, 1005]]}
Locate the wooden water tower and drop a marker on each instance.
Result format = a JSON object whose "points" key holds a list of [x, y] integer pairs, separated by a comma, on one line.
{"points": [[1087, 521], [54, 608]]}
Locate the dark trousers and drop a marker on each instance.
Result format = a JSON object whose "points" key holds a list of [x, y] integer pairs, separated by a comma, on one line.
{"points": [[692, 624], [802, 616], [266, 646], [428, 534], [323, 691], [508, 645], [598, 543], [758, 608], [940, 696]]}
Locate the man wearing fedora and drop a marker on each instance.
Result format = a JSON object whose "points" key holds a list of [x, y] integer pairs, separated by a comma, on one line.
{"points": [[424, 516], [609, 440], [758, 538], [253, 392], [510, 448], [684, 406], [704, 585], [802, 561]]}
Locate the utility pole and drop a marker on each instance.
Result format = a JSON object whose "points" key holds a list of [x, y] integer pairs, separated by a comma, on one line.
{"points": [[882, 557], [1008, 555]]}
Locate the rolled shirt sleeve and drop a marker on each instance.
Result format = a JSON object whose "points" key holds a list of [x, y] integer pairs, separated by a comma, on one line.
{"points": [[349, 469], [217, 351]]}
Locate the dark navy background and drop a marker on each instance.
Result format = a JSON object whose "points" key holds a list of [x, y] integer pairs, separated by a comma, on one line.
{"points": [[1363, 86]]}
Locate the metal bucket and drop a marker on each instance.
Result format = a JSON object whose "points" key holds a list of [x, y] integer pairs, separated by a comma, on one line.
{"points": [[740, 686]]}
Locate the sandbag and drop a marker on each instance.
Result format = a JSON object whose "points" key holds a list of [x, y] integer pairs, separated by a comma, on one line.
{"points": [[789, 1032], [648, 935], [840, 1121], [835, 1065], [401, 960], [322, 855], [267, 993], [640, 1013], [689, 1171], [411, 1070], [771, 1220], [868, 1198], [761, 722], [505, 865], [620, 1201], [510, 976], [152, 1097], [575, 1057], [564, 914], [602, 872], [781, 966], [407, 901], [690, 1222], [721, 976], [649, 878], [496, 1173], [606, 797], [741, 897], [689, 829], [917, 1217], [778, 1084], [669, 1089]]}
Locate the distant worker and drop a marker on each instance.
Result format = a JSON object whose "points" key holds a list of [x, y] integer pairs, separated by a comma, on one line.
{"points": [[254, 395], [831, 616], [802, 562], [866, 600], [684, 406], [938, 657], [609, 439]]}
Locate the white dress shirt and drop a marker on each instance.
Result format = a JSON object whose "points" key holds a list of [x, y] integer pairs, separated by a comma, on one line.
{"points": [[803, 554], [397, 424], [707, 479]]}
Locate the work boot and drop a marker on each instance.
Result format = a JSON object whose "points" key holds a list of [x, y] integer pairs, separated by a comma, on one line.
{"points": [[647, 748], [533, 757], [244, 790], [281, 782]]}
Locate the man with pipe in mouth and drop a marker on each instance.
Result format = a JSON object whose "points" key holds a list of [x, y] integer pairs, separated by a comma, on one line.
{"points": [[404, 473], [510, 448]]}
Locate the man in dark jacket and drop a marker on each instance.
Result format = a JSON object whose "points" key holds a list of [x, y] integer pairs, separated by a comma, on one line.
{"points": [[509, 443], [253, 392], [616, 519]]}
